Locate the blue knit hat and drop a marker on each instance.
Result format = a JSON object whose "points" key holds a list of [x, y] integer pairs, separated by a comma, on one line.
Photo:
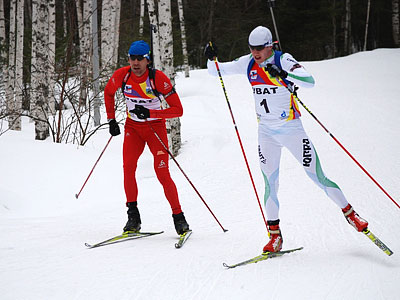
{"points": [[139, 48]]}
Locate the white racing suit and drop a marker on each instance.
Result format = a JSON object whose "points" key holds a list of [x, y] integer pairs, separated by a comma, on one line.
{"points": [[279, 125]]}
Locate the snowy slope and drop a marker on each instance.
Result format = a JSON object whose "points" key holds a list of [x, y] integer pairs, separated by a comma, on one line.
{"points": [[44, 228]]}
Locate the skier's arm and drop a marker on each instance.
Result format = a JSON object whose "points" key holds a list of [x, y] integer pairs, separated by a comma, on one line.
{"points": [[238, 66], [164, 86], [112, 86], [296, 72]]}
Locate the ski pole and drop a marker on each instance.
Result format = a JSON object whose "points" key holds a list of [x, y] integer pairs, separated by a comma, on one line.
{"points": [[238, 136], [271, 4], [77, 195], [293, 92], [184, 174]]}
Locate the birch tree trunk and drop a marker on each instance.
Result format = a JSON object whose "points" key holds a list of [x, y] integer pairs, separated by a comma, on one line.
{"points": [[65, 27], [395, 22], [79, 18], [165, 37], [2, 28], [52, 56], [167, 66], [3, 54], [33, 52], [95, 60], [84, 17], [183, 38], [108, 31], [156, 41], [141, 18], [10, 92], [105, 34], [19, 66], [115, 26], [40, 93], [366, 26]]}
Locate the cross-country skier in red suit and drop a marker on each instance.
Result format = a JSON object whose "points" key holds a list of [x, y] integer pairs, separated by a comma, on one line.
{"points": [[144, 114]]}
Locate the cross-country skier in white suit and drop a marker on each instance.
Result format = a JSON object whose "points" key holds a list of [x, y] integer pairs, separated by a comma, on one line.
{"points": [[279, 125]]}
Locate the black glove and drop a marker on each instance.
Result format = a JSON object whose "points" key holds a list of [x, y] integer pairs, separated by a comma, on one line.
{"points": [[210, 51], [274, 71], [114, 127], [141, 112]]}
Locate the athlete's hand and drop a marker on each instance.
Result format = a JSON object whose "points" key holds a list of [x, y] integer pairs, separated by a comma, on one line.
{"points": [[114, 127], [141, 112], [210, 51], [274, 71]]}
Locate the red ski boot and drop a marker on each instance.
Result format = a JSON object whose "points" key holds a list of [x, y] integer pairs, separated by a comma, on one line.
{"points": [[275, 237], [354, 219]]}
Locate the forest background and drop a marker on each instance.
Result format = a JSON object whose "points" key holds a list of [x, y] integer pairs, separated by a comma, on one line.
{"points": [[309, 30]]}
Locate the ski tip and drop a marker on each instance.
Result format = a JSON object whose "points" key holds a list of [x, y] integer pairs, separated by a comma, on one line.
{"points": [[88, 245]]}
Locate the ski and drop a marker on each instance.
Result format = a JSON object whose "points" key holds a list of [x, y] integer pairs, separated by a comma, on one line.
{"points": [[182, 239], [261, 257], [377, 242], [127, 235]]}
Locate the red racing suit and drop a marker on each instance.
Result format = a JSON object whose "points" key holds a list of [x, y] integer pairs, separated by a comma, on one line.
{"points": [[139, 132]]}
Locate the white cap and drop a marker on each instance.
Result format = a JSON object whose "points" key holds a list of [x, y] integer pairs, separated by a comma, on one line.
{"points": [[260, 36]]}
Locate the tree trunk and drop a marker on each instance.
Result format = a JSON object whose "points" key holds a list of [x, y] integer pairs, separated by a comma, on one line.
{"points": [[333, 29], [19, 66], [95, 60], [40, 93], [156, 42], [210, 20], [33, 60], [3, 60], [10, 92], [115, 25], [65, 26], [79, 18], [347, 27], [366, 26], [395, 22], [167, 66], [107, 38], [183, 37], [165, 37], [141, 18], [52, 56], [84, 15], [3, 53]]}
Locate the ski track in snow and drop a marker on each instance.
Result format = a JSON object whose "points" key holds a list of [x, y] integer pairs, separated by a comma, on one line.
{"points": [[44, 228]]}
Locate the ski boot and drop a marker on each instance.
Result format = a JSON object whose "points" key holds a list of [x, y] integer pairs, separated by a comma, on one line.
{"points": [[181, 226], [354, 219], [275, 237], [134, 222]]}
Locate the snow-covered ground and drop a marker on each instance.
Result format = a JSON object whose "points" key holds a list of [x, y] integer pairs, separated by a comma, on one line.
{"points": [[44, 228]]}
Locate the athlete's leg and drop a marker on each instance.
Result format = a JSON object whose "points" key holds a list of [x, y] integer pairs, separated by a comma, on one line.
{"points": [[132, 149], [161, 165], [299, 144], [269, 151]]}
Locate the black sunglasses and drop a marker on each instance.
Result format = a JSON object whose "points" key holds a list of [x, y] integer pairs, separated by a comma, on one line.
{"points": [[258, 48], [138, 57]]}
